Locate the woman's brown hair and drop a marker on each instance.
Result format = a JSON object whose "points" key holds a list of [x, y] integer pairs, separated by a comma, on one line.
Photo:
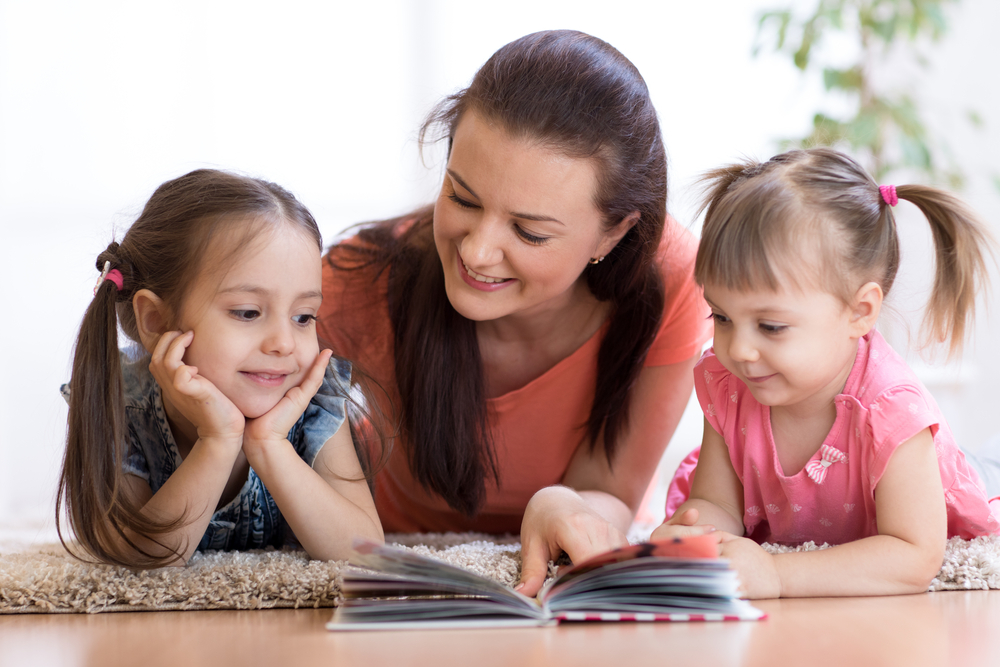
{"points": [[162, 252], [579, 96], [759, 215]]}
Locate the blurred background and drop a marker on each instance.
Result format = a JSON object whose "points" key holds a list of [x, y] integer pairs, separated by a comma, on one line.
{"points": [[102, 101]]}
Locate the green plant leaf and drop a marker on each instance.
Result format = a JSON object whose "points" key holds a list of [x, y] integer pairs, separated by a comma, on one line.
{"points": [[843, 79]]}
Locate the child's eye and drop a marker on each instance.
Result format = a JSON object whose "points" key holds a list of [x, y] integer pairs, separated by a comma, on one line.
{"points": [[461, 202], [772, 328], [530, 238], [304, 320], [719, 318], [245, 315]]}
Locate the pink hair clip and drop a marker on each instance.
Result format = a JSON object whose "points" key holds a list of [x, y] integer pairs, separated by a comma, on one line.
{"points": [[889, 194], [114, 275]]}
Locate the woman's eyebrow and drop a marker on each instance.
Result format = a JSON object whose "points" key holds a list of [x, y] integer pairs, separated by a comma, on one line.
{"points": [[524, 216]]}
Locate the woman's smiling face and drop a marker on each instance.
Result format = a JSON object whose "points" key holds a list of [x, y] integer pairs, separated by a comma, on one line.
{"points": [[515, 224]]}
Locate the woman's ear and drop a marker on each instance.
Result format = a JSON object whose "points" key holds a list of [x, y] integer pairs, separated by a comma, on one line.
{"points": [[866, 308], [152, 317], [613, 236]]}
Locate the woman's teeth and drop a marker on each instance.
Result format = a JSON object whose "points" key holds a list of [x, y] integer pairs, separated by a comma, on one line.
{"points": [[480, 278]]}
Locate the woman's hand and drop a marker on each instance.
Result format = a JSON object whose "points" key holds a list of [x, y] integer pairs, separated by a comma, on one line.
{"points": [[199, 401], [274, 425], [558, 519]]}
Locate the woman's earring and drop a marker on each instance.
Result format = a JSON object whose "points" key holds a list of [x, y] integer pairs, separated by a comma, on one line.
{"points": [[595, 260]]}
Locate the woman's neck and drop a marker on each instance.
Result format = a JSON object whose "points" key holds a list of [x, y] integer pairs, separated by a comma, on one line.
{"points": [[519, 348]]}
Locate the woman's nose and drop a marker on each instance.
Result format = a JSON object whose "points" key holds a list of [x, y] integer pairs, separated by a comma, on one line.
{"points": [[481, 246]]}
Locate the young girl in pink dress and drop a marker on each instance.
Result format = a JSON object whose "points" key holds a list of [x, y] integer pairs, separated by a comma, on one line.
{"points": [[815, 429]]}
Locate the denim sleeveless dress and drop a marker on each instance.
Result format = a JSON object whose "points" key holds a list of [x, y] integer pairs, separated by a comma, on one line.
{"points": [[251, 520]]}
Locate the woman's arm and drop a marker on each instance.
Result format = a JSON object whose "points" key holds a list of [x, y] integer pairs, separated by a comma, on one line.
{"points": [[592, 510]]}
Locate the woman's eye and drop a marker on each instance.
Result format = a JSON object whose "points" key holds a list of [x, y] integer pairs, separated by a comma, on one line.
{"points": [[461, 202], [304, 320], [245, 315], [530, 238]]}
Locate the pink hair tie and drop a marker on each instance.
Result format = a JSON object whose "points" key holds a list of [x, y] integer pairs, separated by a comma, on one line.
{"points": [[114, 275], [889, 194]]}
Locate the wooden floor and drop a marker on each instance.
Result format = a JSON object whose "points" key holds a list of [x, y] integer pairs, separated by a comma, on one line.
{"points": [[954, 628]]}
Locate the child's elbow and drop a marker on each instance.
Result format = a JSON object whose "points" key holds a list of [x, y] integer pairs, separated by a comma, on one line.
{"points": [[926, 566]]}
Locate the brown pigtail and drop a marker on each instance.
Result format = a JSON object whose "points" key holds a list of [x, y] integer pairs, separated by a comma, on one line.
{"points": [[91, 484], [961, 245]]}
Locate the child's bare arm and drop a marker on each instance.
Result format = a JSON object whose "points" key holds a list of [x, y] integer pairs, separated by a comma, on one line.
{"points": [[326, 505], [716, 493], [906, 554]]}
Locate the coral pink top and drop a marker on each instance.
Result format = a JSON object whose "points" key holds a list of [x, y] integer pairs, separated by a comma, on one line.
{"points": [[832, 499], [537, 428]]}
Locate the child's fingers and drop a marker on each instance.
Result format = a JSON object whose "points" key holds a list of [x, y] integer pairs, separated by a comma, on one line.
{"points": [[311, 382], [162, 344], [174, 356], [314, 378], [283, 416], [688, 517]]}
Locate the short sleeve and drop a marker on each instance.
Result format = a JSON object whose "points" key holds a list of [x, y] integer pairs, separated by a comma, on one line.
{"points": [[685, 326], [711, 384], [325, 413], [896, 415]]}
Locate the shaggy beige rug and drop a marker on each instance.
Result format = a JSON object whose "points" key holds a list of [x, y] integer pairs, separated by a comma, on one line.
{"points": [[48, 580]]}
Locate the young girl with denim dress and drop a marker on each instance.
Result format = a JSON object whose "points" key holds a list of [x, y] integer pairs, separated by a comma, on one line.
{"points": [[224, 427], [815, 429]]}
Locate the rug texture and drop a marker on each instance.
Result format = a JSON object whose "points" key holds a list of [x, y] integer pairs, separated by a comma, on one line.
{"points": [[49, 580]]}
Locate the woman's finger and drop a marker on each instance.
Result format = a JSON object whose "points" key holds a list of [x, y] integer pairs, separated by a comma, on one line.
{"points": [[535, 558]]}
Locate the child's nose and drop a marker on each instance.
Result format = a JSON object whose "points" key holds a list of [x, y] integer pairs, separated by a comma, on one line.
{"points": [[741, 348], [280, 339]]}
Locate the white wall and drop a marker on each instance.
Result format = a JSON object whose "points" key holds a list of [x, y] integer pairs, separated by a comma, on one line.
{"points": [[101, 101]]}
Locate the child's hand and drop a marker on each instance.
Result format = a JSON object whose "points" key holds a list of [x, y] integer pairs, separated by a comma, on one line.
{"points": [[758, 573], [198, 400], [681, 524], [275, 424]]}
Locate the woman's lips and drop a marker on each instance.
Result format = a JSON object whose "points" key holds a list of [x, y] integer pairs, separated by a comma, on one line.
{"points": [[484, 283]]}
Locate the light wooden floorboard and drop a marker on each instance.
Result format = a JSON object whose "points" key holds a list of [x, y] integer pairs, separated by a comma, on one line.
{"points": [[950, 628]]}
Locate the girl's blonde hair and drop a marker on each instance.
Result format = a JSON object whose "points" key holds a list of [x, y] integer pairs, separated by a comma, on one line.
{"points": [[818, 215], [163, 251]]}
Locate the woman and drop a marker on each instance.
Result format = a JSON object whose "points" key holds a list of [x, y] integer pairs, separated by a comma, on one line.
{"points": [[537, 327]]}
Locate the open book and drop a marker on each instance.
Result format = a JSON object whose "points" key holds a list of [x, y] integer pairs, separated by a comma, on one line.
{"points": [[671, 580]]}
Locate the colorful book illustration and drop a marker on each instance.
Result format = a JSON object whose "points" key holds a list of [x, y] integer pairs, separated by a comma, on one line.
{"points": [[672, 580]]}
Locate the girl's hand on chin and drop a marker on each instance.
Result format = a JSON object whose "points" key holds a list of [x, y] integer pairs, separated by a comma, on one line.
{"points": [[197, 399], [274, 425]]}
